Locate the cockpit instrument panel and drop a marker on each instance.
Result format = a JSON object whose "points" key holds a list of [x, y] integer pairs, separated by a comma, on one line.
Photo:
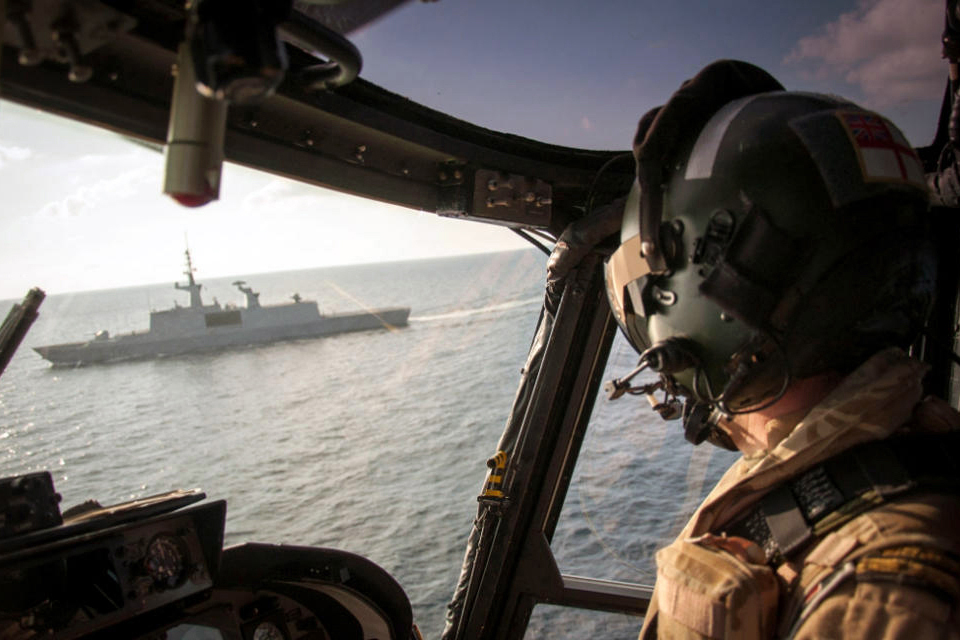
{"points": [[155, 568], [103, 566]]}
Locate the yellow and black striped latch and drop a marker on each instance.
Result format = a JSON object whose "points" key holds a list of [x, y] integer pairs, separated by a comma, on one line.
{"points": [[493, 489]]}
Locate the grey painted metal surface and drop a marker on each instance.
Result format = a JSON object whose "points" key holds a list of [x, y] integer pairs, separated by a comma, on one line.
{"points": [[201, 327]]}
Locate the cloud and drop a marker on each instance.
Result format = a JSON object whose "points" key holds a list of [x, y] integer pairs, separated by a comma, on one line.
{"points": [[10, 154], [283, 196], [890, 49], [585, 123], [101, 193], [108, 161]]}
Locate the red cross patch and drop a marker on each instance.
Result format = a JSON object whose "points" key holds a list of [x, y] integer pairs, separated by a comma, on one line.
{"points": [[885, 155]]}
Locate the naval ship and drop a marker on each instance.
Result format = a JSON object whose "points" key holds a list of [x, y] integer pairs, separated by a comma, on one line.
{"points": [[208, 327]]}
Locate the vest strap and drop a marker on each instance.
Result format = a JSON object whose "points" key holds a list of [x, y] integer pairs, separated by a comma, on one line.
{"points": [[824, 497]]}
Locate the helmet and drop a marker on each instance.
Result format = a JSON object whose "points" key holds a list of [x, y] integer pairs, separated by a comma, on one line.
{"points": [[781, 239]]}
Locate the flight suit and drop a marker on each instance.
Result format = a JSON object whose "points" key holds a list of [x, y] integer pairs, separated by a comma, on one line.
{"points": [[889, 572]]}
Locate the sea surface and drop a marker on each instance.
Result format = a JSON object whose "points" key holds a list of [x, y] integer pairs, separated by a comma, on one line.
{"points": [[371, 442]]}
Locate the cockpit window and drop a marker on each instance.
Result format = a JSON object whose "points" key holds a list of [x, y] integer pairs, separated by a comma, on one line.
{"points": [[631, 456], [636, 483], [576, 76], [370, 441]]}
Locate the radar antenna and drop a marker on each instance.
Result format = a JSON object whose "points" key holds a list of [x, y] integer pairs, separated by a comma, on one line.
{"points": [[253, 297], [190, 268]]}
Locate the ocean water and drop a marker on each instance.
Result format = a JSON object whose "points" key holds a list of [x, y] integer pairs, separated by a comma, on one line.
{"points": [[371, 442]]}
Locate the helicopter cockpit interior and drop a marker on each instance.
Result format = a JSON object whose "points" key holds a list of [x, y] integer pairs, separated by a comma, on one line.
{"points": [[277, 86]]}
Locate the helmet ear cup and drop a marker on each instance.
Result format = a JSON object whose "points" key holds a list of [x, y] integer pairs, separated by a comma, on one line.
{"points": [[749, 279]]}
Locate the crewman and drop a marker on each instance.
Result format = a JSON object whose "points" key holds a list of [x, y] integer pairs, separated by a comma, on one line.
{"points": [[775, 269]]}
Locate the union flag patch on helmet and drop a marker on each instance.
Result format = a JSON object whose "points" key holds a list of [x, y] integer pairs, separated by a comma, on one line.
{"points": [[884, 154]]}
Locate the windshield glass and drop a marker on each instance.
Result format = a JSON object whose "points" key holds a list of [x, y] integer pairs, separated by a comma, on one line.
{"points": [[636, 483], [631, 457], [575, 74], [373, 442]]}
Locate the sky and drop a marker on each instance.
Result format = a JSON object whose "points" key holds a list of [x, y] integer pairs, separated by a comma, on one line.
{"points": [[82, 208]]}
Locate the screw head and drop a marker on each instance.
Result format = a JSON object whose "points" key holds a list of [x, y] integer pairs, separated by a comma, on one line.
{"points": [[80, 73], [29, 57]]}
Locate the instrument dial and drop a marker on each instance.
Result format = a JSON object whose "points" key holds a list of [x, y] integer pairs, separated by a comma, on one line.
{"points": [[268, 631], [165, 561]]}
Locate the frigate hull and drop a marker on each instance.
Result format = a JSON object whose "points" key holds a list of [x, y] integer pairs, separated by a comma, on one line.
{"points": [[220, 329]]}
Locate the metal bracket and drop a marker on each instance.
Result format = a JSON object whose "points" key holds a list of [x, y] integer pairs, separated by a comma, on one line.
{"points": [[494, 196], [512, 199], [454, 182], [62, 31]]}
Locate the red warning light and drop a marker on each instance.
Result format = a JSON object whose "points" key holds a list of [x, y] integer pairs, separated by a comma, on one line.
{"points": [[192, 199]]}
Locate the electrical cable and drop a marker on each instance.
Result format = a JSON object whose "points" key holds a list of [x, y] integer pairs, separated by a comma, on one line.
{"points": [[588, 203], [710, 398], [540, 233], [787, 379], [526, 236]]}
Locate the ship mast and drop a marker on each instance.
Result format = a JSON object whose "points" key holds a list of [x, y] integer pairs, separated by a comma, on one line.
{"points": [[192, 286]]}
